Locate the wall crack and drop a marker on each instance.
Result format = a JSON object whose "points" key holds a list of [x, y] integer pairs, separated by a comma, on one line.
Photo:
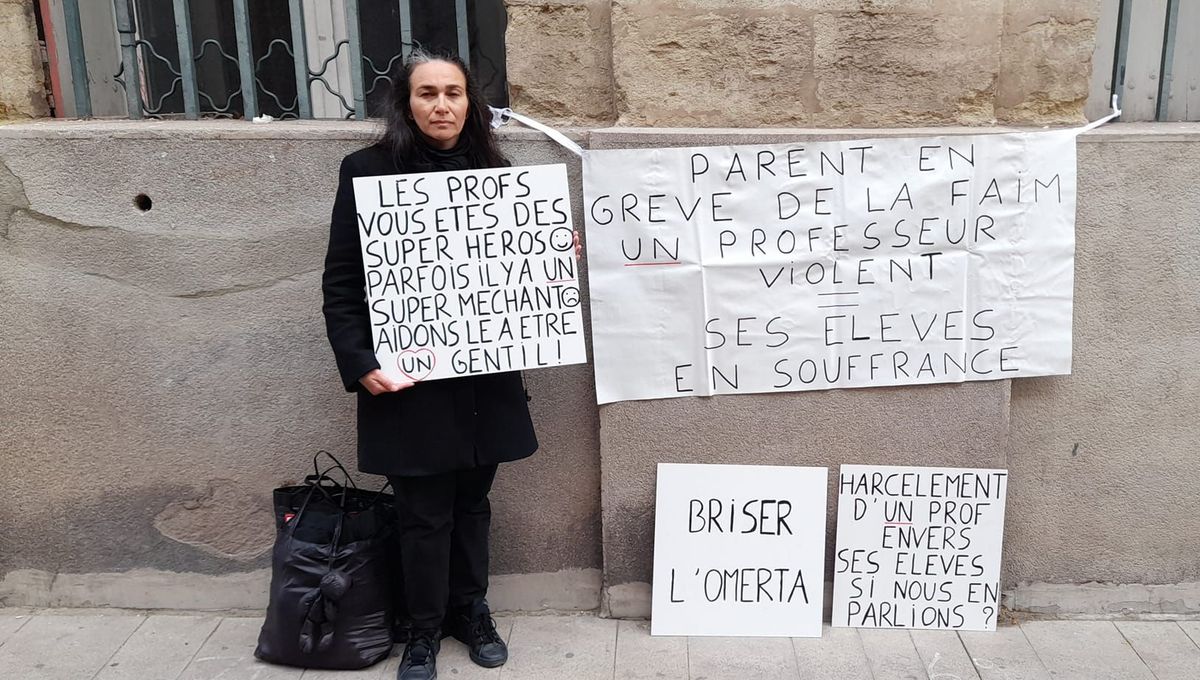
{"points": [[243, 287]]}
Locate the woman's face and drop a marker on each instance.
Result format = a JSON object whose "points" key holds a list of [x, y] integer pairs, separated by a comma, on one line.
{"points": [[437, 97]]}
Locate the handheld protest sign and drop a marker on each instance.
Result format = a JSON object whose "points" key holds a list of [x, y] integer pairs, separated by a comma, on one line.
{"points": [[918, 547], [739, 550], [817, 265], [470, 272]]}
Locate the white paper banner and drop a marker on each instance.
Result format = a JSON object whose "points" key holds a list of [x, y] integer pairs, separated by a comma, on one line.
{"points": [[830, 264], [470, 272], [739, 550], [918, 547]]}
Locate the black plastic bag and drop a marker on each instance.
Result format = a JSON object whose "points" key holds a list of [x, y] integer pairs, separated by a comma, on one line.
{"points": [[331, 577]]}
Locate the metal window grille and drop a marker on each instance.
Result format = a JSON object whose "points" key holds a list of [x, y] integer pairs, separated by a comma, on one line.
{"points": [[1146, 53], [244, 58]]}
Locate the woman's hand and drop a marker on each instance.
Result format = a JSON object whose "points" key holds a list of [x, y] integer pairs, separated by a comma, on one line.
{"points": [[578, 244], [377, 383]]}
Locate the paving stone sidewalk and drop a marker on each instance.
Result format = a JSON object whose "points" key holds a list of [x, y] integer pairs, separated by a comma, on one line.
{"points": [[111, 645]]}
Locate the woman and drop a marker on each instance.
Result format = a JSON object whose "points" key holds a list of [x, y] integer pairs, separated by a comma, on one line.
{"points": [[439, 443]]}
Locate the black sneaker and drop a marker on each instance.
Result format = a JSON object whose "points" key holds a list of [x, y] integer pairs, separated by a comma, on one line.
{"points": [[474, 627], [420, 656]]}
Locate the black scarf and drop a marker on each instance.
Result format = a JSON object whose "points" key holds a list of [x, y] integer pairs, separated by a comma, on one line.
{"points": [[429, 159]]}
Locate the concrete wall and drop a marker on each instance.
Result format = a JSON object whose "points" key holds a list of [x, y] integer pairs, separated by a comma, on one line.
{"points": [[1102, 462], [165, 369], [801, 63]]}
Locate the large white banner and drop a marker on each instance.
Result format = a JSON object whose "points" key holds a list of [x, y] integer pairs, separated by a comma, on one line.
{"points": [[470, 272], [918, 547], [739, 550], [816, 265]]}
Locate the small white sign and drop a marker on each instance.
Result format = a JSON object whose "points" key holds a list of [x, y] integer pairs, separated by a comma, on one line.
{"points": [[739, 550], [470, 272], [918, 547]]}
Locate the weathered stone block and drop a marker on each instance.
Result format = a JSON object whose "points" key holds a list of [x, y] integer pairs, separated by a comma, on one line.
{"points": [[686, 63], [1045, 61], [22, 79], [877, 69], [804, 62], [559, 60]]}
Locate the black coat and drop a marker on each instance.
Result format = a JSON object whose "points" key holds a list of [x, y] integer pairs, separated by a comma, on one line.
{"points": [[431, 427]]}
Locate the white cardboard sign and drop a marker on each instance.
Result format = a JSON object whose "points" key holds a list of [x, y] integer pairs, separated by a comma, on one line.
{"points": [[918, 547], [818, 265], [470, 272], [739, 550]]}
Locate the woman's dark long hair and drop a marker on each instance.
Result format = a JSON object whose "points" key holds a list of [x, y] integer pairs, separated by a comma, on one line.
{"points": [[403, 138]]}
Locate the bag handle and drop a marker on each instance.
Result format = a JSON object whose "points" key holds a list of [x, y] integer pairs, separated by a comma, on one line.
{"points": [[337, 465], [337, 537], [315, 483], [322, 476], [379, 494]]}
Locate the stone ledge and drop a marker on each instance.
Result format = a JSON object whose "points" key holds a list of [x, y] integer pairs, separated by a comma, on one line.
{"points": [[1175, 601], [1112, 132], [1106, 600], [569, 590], [642, 136], [355, 130]]}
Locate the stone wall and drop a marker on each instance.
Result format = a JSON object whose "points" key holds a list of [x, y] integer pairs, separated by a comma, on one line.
{"points": [[22, 79], [801, 63], [560, 60], [755, 63]]}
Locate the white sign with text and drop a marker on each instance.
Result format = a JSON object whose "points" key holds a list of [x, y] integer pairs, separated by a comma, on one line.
{"points": [[918, 547], [818, 265], [739, 550], [470, 272]]}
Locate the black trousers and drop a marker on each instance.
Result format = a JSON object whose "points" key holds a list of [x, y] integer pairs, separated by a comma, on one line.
{"points": [[444, 522]]}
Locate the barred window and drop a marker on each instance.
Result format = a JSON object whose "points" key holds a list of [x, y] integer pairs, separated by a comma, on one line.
{"points": [[141, 39]]}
